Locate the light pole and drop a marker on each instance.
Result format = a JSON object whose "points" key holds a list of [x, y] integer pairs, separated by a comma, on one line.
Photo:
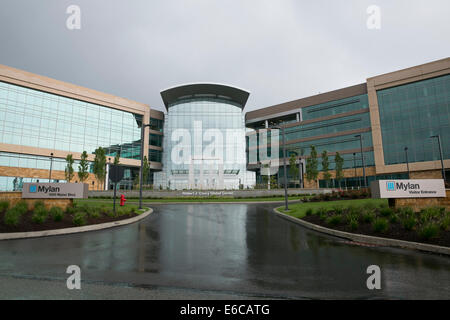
{"points": [[441, 155], [284, 165], [354, 166], [51, 163], [362, 157], [141, 169], [407, 162]]}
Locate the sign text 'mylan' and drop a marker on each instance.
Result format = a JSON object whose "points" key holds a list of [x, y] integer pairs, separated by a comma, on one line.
{"points": [[407, 186], [48, 189]]}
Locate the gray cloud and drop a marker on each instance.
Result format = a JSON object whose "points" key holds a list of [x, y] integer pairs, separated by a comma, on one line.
{"points": [[279, 50]]}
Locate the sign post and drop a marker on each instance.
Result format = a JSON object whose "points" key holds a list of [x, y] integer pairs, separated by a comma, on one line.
{"points": [[116, 174]]}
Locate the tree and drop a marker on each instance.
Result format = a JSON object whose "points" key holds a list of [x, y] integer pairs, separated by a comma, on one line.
{"points": [[312, 171], [83, 167], [326, 167], [117, 158], [339, 168], [293, 169], [145, 171], [100, 166], [68, 171]]}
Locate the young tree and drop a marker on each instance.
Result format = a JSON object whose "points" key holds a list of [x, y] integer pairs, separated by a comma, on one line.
{"points": [[326, 167], [117, 158], [145, 171], [83, 167], [312, 170], [339, 168], [100, 166], [68, 171], [293, 169]]}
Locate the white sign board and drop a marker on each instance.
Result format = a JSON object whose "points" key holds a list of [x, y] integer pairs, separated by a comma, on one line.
{"points": [[55, 190], [426, 188]]}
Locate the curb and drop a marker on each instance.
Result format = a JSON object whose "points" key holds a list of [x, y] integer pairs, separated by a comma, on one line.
{"points": [[57, 232], [368, 239]]}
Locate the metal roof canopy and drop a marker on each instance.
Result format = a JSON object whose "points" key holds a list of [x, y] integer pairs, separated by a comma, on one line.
{"points": [[194, 90]]}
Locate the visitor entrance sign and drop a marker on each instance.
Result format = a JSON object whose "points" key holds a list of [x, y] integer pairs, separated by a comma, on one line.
{"points": [[426, 188]]}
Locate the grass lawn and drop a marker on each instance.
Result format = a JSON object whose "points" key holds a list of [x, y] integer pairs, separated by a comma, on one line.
{"points": [[298, 210]]}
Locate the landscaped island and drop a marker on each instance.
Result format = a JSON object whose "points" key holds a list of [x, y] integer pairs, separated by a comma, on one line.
{"points": [[373, 217], [22, 218]]}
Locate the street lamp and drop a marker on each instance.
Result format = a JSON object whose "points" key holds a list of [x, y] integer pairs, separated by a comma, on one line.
{"points": [[284, 165], [354, 166], [407, 162], [441, 155], [51, 163], [362, 157], [141, 169]]}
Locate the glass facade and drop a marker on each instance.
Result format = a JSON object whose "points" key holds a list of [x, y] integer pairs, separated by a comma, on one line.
{"points": [[335, 107], [210, 113], [17, 160], [410, 114], [38, 119]]}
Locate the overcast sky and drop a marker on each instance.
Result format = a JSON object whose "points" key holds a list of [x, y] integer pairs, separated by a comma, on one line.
{"points": [[279, 50]]}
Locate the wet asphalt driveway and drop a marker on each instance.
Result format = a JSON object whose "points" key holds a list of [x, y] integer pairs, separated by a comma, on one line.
{"points": [[234, 249]]}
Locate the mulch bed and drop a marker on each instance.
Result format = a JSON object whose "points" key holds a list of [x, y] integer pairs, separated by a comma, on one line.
{"points": [[396, 231], [27, 225]]}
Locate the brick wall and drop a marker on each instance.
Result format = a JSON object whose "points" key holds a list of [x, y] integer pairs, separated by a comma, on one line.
{"points": [[419, 203], [16, 196]]}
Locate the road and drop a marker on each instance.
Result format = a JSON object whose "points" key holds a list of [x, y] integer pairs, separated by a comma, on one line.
{"points": [[215, 251]]}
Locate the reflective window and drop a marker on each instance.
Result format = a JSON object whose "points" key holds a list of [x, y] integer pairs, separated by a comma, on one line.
{"points": [[410, 114], [38, 119]]}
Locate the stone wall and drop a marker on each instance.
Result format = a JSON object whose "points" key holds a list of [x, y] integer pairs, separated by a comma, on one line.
{"points": [[206, 193], [419, 203], [16, 196]]}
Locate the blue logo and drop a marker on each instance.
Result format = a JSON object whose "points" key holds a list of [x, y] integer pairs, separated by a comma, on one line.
{"points": [[390, 186], [33, 188]]}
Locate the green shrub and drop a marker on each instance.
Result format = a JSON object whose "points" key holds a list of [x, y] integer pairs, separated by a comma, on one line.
{"points": [[334, 220], [353, 224], [380, 225], [445, 223], [409, 223], [368, 217], [56, 213], [40, 214], [338, 210], [39, 204], [429, 231], [309, 212], [106, 211], [93, 212], [12, 217], [429, 214], [22, 206], [406, 212], [4, 205], [70, 210], [321, 211], [386, 212], [393, 218], [79, 219]]}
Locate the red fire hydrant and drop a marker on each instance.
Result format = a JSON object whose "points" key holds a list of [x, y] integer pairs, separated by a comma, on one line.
{"points": [[122, 200]]}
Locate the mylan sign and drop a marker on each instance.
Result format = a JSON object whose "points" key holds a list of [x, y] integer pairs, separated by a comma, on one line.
{"points": [[55, 190], [426, 188]]}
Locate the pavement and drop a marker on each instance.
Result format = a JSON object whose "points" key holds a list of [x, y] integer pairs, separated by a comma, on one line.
{"points": [[215, 251]]}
